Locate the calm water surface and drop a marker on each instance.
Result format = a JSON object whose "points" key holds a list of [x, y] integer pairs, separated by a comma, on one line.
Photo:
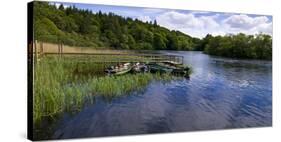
{"points": [[221, 93]]}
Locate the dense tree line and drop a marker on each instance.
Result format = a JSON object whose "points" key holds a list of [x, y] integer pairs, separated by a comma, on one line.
{"points": [[239, 46], [78, 27]]}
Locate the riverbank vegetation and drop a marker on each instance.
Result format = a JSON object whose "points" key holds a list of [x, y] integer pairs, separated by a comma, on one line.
{"points": [[239, 46], [64, 86]]}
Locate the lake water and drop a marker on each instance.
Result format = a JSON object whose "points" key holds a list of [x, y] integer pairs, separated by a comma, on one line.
{"points": [[220, 94]]}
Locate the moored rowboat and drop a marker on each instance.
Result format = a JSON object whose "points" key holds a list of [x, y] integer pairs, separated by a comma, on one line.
{"points": [[119, 69]]}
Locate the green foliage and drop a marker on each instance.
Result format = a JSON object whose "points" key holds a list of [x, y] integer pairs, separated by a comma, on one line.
{"points": [[78, 27], [65, 85], [159, 41], [239, 46]]}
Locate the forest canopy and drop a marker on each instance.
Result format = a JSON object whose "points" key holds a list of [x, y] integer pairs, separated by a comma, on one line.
{"points": [[80, 27]]}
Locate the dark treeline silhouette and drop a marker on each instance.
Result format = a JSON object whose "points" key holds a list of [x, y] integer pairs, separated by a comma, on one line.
{"points": [[79, 27]]}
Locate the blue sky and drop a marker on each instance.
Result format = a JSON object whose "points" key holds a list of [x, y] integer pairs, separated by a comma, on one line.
{"points": [[194, 23]]}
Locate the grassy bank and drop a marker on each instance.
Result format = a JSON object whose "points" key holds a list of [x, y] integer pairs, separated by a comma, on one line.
{"points": [[63, 85]]}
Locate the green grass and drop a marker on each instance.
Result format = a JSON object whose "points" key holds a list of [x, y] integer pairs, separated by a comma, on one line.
{"points": [[65, 85]]}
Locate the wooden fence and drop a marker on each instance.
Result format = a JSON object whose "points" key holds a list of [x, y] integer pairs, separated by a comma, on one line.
{"points": [[83, 54]]}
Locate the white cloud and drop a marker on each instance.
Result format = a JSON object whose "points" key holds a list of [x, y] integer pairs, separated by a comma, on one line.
{"points": [[243, 21], [216, 24], [188, 23], [266, 28], [249, 25]]}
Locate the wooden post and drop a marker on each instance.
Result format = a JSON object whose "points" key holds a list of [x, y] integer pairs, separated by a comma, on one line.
{"points": [[34, 53], [58, 48], [35, 50], [40, 51], [61, 47]]}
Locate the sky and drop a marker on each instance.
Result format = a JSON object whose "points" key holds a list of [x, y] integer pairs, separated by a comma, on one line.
{"points": [[194, 23]]}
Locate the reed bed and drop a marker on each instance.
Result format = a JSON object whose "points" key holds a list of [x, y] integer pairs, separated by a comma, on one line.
{"points": [[65, 85]]}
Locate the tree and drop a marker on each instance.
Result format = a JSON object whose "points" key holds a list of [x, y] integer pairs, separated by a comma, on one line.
{"points": [[158, 41], [131, 42], [155, 23], [172, 41], [61, 7]]}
